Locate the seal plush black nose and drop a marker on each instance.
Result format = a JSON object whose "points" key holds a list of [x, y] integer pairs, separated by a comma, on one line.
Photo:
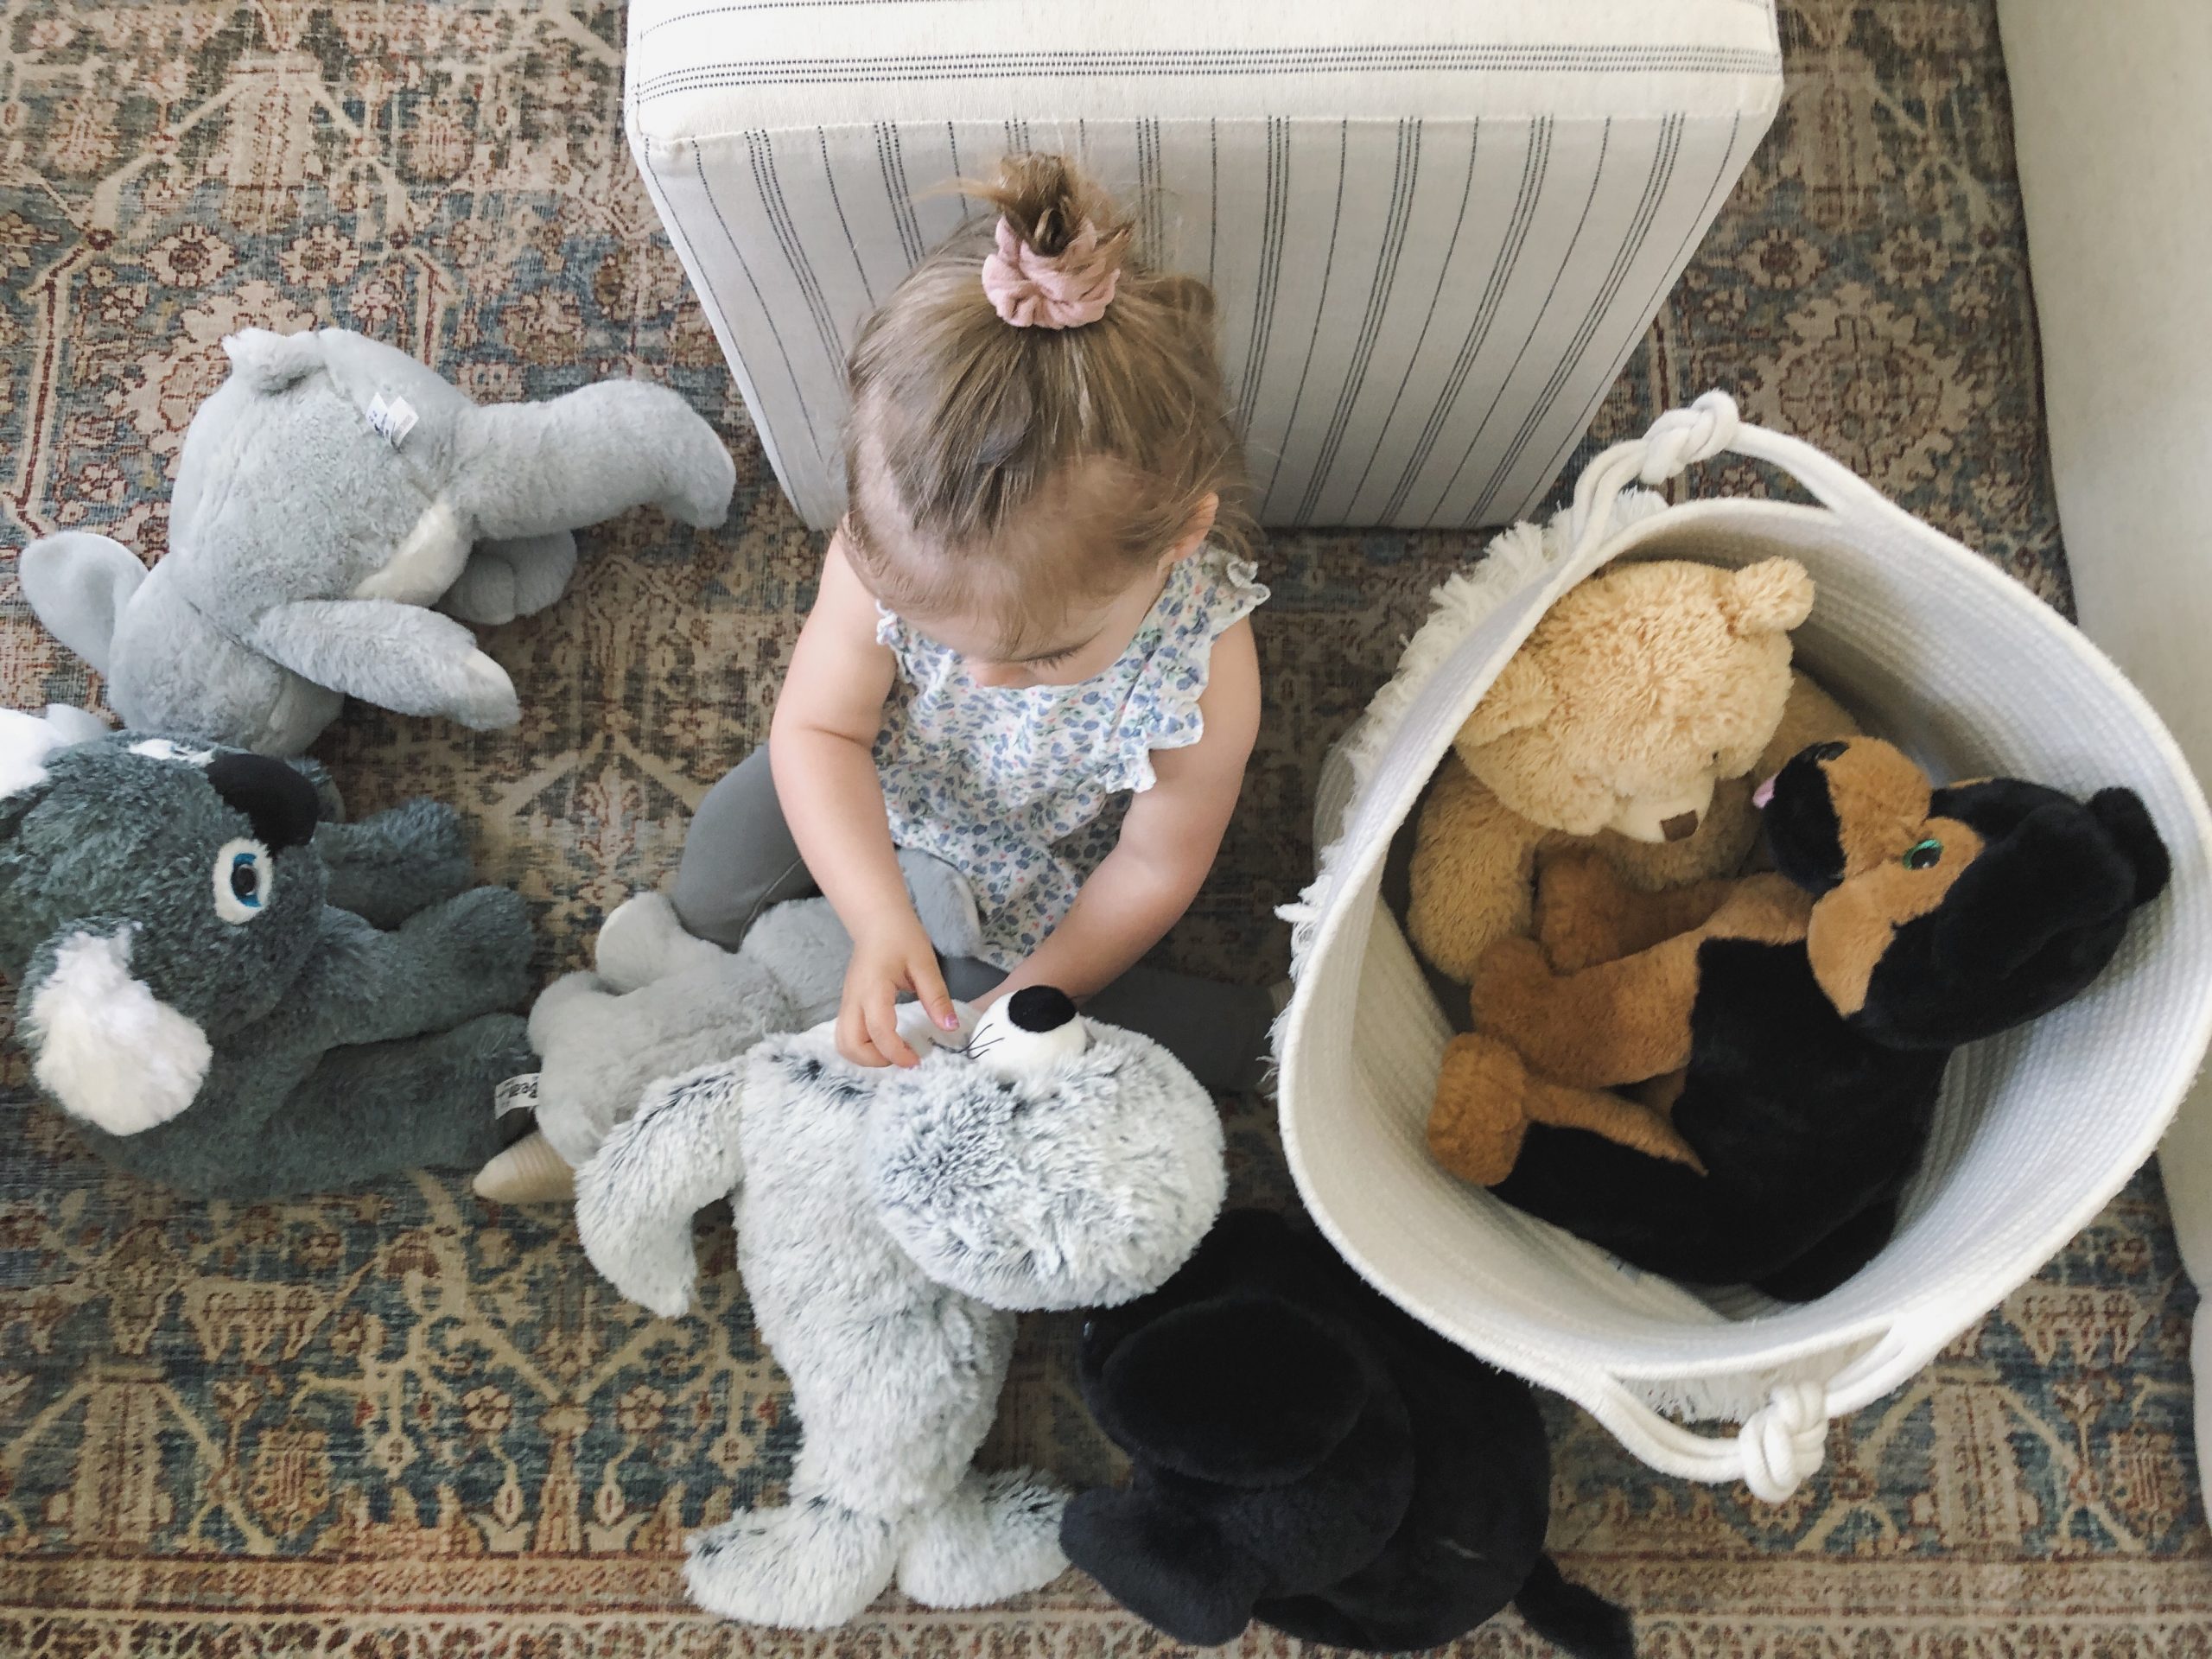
{"points": [[276, 799], [1039, 1008]]}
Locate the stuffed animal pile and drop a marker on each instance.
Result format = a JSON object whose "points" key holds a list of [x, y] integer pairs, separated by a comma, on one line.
{"points": [[1721, 1076], [1635, 721], [1784, 1036]]}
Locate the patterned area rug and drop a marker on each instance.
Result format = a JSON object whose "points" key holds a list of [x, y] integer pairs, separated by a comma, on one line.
{"points": [[400, 1424]]}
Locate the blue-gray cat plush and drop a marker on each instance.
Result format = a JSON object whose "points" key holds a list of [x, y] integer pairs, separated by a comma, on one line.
{"points": [[330, 490], [231, 997]]}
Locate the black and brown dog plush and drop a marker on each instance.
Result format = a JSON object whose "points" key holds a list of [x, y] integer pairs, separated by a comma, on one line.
{"points": [[1306, 1454], [1778, 1040]]}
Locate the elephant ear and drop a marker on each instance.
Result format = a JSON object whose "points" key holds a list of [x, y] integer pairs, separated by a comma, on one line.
{"points": [[102, 1045]]}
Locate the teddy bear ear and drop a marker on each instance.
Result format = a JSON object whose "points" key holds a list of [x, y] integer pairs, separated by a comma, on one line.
{"points": [[1521, 696], [1772, 596]]}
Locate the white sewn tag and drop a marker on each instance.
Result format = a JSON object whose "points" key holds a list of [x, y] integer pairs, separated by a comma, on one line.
{"points": [[394, 420], [515, 1095]]}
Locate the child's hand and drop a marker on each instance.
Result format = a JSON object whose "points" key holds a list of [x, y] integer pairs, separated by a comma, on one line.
{"points": [[889, 959]]}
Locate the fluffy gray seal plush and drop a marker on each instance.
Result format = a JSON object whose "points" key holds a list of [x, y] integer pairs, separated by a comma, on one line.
{"points": [[890, 1223]]}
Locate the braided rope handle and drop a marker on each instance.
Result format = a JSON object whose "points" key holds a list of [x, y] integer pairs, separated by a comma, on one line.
{"points": [[1777, 1448], [1712, 426], [1779, 1445]]}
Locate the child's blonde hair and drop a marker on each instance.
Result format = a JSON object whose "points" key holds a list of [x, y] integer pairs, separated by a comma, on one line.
{"points": [[1013, 472]]}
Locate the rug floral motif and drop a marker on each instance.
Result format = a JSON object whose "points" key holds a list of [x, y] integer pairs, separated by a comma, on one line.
{"points": [[402, 1424]]}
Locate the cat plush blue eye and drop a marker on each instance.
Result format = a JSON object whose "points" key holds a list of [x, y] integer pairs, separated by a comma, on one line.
{"points": [[1923, 854], [244, 874]]}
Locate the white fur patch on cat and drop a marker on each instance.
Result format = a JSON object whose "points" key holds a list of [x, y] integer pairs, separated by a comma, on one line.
{"points": [[107, 1048]]}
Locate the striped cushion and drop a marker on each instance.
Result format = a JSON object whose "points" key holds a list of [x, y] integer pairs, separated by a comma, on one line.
{"points": [[1435, 232]]}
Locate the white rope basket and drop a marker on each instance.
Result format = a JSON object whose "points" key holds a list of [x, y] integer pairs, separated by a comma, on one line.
{"points": [[1934, 649]]}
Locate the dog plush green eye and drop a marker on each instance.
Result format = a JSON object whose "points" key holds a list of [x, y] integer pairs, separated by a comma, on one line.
{"points": [[1923, 854]]}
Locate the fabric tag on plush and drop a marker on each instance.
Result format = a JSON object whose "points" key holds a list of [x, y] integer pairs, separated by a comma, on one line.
{"points": [[515, 1095], [394, 420]]}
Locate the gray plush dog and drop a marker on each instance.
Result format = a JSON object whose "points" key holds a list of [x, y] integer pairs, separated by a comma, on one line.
{"points": [[329, 490], [889, 1223], [230, 998]]}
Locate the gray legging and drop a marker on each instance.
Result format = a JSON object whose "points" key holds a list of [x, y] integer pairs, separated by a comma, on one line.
{"points": [[739, 858]]}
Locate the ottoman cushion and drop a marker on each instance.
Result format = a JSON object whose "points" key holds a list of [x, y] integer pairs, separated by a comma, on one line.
{"points": [[1436, 229]]}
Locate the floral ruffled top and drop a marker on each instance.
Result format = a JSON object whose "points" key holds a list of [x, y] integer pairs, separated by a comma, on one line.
{"points": [[1011, 785]]}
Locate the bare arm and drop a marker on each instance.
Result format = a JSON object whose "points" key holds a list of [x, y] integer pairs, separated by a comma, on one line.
{"points": [[1168, 840], [821, 749]]}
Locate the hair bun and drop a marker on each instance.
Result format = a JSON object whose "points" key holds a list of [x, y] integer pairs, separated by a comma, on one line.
{"points": [[1060, 244], [1048, 203]]}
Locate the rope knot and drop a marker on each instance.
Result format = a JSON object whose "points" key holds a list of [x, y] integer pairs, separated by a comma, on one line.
{"points": [[1682, 437], [1784, 1441]]}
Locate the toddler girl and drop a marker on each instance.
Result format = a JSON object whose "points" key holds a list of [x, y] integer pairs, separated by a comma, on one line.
{"points": [[1033, 610]]}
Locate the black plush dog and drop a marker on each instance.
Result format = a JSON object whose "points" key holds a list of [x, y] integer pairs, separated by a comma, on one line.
{"points": [[1308, 1455], [1787, 1034]]}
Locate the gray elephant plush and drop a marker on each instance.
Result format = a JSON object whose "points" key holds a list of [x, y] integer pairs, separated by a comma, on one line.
{"points": [[230, 997], [660, 1002], [890, 1223], [328, 492]]}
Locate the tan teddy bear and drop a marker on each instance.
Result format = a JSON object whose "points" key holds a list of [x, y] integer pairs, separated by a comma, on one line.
{"points": [[1637, 718]]}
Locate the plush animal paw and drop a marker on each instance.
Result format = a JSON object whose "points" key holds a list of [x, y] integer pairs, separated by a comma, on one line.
{"points": [[1480, 1117], [1169, 1566], [641, 943], [636, 1197], [996, 1536], [394, 863], [810, 1566], [497, 1047], [428, 833], [478, 941], [1508, 992], [1577, 899], [486, 701], [944, 902], [701, 477]]}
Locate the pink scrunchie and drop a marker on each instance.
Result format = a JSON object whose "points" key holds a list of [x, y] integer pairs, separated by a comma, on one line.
{"points": [[1063, 290]]}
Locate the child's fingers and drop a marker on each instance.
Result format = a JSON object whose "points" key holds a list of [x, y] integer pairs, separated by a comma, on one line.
{"points": [[883, 1029], [929, 990], [852, 1036]]}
